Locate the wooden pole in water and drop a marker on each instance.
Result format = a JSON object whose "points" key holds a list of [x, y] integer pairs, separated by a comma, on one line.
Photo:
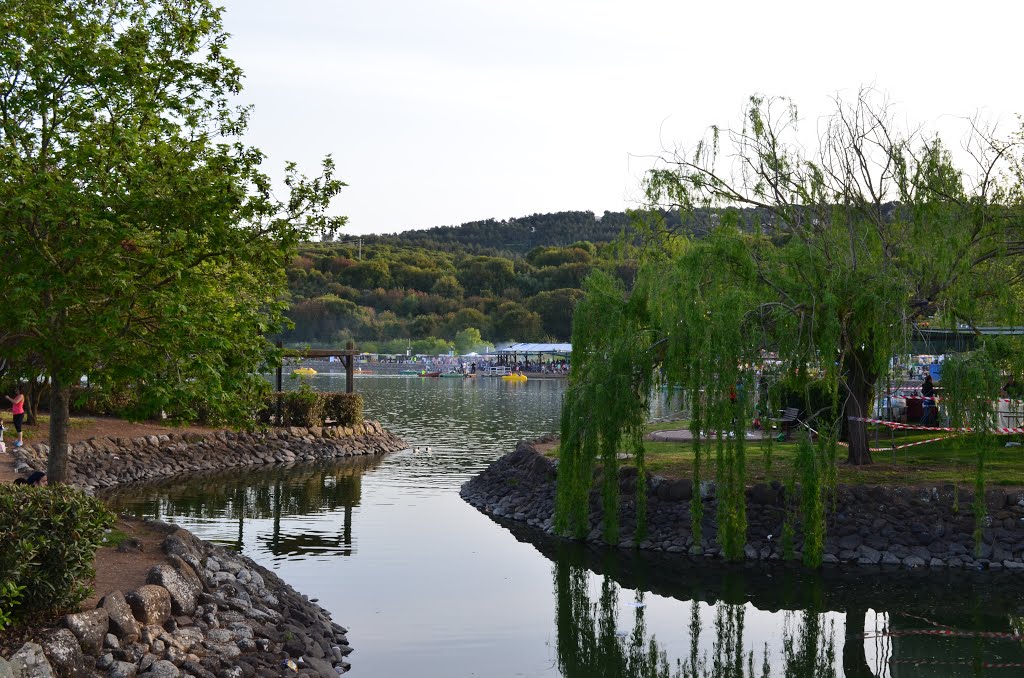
{"points": [[350, 372], [280, 387]]}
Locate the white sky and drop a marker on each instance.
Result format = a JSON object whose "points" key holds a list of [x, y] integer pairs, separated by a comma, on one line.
{"points": [[439, 112]]}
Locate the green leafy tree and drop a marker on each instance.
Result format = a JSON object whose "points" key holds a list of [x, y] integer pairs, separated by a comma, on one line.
{"points": [[828, 260], [849, 248], [431, 346], [555, 311], [515, 322], [448, 286], [141, 242], [480, 274], [465, 318], [470, 341]]}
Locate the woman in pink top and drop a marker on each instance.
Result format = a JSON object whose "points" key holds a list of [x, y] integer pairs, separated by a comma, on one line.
{"points": [[18, 410]]}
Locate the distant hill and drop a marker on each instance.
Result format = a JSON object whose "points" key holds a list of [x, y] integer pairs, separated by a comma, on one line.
{"points": [[515, 236]]}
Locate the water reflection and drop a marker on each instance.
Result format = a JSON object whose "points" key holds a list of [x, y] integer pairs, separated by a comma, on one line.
{"points": [[274, 493], [958, 624], [436, 589], [592, 642]]}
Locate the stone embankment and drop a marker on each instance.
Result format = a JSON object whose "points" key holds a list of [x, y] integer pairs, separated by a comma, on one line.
{"points": [[100, 463], [206, 612], [871, 526]]}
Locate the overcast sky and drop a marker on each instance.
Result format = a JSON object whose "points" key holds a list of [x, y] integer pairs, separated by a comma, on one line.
{"points": [[439, 112]]}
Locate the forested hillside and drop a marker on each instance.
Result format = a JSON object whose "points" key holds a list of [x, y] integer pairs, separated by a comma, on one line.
{"points": [[432, 290], [461, 286], [520, 235]]}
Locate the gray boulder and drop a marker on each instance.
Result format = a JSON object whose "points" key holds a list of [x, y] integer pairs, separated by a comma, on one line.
{"points": [[89, 628], [184, 590], [5, 669], [321, 666], [30, 662], [65, 654], [122, 622], [162, 669], [151, 604], [123, 670]]}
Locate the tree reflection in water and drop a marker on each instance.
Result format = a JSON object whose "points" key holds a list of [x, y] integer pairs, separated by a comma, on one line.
{"points": [[276, 492], [590, 643]]}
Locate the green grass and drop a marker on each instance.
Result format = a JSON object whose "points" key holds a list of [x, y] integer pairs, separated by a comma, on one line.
{"points": [[114, 538], [41, 429], [936, 463]]}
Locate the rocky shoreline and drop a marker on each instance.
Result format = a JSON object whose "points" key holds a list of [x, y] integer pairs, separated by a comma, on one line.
{"points": [[100, 463], [876, 527], [206, 611]]}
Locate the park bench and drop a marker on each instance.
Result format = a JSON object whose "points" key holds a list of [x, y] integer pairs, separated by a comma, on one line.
{"points": [[789, 420]]}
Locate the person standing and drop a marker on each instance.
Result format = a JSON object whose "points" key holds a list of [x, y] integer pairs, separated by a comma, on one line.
{"points": [[18, 410], [927, 400]]}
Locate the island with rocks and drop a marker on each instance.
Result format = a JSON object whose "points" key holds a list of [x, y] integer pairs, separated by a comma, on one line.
{"points": [[869, 526]]}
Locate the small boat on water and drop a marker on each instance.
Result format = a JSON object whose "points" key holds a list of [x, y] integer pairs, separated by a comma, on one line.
{"points": [[430, 374], [304, 372], [453, 375], [408, 372], [514, 377]]}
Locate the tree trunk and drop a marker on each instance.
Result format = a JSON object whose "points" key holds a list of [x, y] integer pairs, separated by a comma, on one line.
{"points": [[33, 398], [57, 464], [857, 405], [855, 662]]}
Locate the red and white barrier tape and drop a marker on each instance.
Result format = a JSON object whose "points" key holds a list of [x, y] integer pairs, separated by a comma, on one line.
{"points": [[898, 447], [999, 430], [947, 632]]}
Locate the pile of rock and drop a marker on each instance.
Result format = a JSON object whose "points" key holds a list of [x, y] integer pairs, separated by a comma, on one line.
{"points": [[100, 463], [870, 526], [206, 612]]}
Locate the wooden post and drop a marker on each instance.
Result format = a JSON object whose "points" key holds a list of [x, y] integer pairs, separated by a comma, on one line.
{"points": [[350, 369], [280, 387]]}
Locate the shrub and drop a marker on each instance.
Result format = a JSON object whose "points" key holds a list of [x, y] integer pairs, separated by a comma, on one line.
{"points": [[95, 401], [303, 407], [307, 407], [344, 409], [49, 536]]}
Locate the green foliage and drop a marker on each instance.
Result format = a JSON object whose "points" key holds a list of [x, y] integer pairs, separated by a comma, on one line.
{"points": [[49, 536], [303, 407], [971, 383], [307, 408], [810, 460], [470, 341], [145, 245], [827, 260], [605, 404], [92, 400], [435, 293], [344, 409]]}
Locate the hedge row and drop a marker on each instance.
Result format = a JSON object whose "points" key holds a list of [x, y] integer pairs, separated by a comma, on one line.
{"points": [[49, 537], [303, 407], [306, 408]]}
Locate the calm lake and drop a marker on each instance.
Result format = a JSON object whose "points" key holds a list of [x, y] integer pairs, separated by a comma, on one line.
{"points": [[428, 586]]}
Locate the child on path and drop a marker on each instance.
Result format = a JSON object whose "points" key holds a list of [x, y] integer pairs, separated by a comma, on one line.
{"points": [[18, 410]]}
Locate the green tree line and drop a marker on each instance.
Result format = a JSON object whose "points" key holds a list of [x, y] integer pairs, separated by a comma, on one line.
{"points": [[389, 297]]}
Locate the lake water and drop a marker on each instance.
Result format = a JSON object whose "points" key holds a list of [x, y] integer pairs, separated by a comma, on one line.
{"points": [[428, 586]]}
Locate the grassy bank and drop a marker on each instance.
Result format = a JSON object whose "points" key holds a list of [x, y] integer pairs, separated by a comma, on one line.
{"points": [[952, 460]]}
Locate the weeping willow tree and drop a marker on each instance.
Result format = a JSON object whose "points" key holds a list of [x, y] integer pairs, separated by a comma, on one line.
{"points": [[825, 261]]}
